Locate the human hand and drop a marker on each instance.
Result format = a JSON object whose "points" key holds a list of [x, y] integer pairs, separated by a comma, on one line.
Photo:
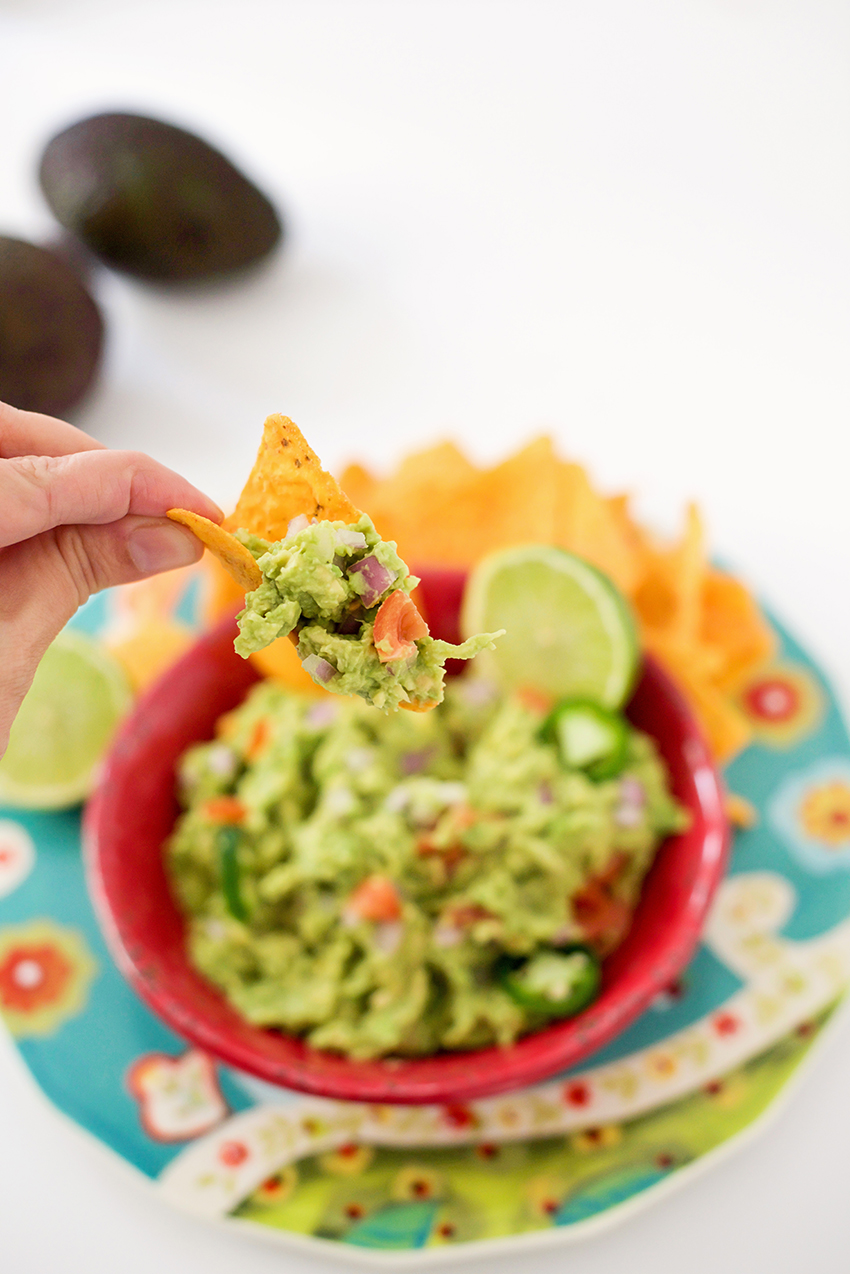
{"points": [[75, 518]]}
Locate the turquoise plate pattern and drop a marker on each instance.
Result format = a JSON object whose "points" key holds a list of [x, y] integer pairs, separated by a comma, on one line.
{"points": [[414, 1185]]}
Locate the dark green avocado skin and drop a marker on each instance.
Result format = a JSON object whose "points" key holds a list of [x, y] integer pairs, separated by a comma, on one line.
{"points": [[51, 331], [155, 201]]}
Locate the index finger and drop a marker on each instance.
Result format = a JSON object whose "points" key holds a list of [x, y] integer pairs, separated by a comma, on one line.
{"points": [[28, 433], [38, 493]]}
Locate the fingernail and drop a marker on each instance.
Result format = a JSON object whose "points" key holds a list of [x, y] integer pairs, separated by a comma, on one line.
{"points": [[162, 548]]}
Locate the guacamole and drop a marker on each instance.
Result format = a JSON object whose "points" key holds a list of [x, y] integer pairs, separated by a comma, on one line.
{"points": [[346, 593], [405, 883]]}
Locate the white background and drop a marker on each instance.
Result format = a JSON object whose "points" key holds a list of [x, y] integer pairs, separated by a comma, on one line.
{"points": [[627, 224]]}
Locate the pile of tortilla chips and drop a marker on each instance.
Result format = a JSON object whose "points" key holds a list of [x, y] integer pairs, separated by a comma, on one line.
{"points": [[441, 509]]}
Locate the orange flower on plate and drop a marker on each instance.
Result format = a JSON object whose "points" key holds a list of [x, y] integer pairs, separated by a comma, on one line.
{"points": [[45, 972], [348, 1160], [825, 814], [782, 703]]}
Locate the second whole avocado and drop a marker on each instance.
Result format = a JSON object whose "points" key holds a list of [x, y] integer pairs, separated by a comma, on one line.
{"points": [[155, 201]]}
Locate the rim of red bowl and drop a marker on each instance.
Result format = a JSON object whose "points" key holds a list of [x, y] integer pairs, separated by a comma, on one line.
{"points": [[133, 810]]}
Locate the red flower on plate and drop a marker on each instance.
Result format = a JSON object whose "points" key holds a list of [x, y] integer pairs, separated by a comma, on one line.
{"points": [[45, 971], [727, 1024], [32, 976], [578, 1094], [232, 1153], [460, 1116], [783, 703]]}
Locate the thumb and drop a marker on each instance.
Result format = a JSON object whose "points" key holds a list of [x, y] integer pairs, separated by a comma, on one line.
{"points": [[45, 579]]}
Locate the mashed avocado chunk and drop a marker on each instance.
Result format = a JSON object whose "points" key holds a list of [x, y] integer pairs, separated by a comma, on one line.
{"points": [[360, 878], [346, 593]]}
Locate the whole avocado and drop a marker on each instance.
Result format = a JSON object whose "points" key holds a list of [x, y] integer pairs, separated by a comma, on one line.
{"points": [[51, 331], [155, 201]]}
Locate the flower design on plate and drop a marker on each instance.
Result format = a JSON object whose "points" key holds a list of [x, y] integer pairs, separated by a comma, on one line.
{"points": [[783, 703], [348, 1160], [17, 856], [728, 1091], [601, 1138], [543, 1196], [278, 1187], [45, 972], [825, 814], [811, 812], [179, 1098], [661, 1065], [416, 1184]]}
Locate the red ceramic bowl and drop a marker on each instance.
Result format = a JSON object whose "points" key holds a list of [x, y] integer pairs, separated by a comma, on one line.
{"points": [[134, 809]]}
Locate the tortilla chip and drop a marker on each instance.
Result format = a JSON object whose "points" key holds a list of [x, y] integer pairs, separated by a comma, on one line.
{"points": [[740, 812], [286, 481], [232, 555], [732, 624], [513, 503], [726, 728], [401, 505], [595, 528]]}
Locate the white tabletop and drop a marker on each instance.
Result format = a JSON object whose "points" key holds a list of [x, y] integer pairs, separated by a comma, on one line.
{"points": [[627, 225]]}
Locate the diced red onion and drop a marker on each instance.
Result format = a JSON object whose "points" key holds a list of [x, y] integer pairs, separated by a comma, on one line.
{"points": [[477, 692], [629, 812], [354, 540], [320, 714], [628, 816], [447, 935], [319, 669], [397, 799], [415, 762], [568, 932], [297, 524], [387, 936], [632, 791], [376, 577], [358, 759], [340, 800], [221, 760]]}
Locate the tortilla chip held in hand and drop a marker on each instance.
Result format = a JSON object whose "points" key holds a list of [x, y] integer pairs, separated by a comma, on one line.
{"points": [[315, 567]]}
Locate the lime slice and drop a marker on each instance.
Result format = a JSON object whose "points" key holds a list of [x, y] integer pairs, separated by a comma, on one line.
{"points": [[65, 723], [570, 633]]}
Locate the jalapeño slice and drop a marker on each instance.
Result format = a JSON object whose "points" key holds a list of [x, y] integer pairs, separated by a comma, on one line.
{"points": [[557, 983], [589, 737], [228, 846]]}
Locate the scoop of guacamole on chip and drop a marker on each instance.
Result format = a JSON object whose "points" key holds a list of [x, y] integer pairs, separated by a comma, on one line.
{"points": [[404, 883], [346, 594]]}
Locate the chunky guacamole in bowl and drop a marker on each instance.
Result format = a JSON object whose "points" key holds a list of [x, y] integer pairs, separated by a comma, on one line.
{"points": [[345, 594], [406, 884]]}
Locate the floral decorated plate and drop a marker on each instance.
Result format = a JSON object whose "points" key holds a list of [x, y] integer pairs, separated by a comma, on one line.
{"points": [[377, 1184]]}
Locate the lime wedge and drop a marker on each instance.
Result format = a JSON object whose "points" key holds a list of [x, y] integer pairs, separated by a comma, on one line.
{"points": [[65, 723], [570, 633]]}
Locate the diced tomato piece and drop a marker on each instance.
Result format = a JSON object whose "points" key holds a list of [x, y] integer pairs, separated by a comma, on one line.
{"points": [[375, 898], [260, 738], [449, 855], [224, 809], [604, 920], [398, 626], [469, 913], [533, 699]]}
